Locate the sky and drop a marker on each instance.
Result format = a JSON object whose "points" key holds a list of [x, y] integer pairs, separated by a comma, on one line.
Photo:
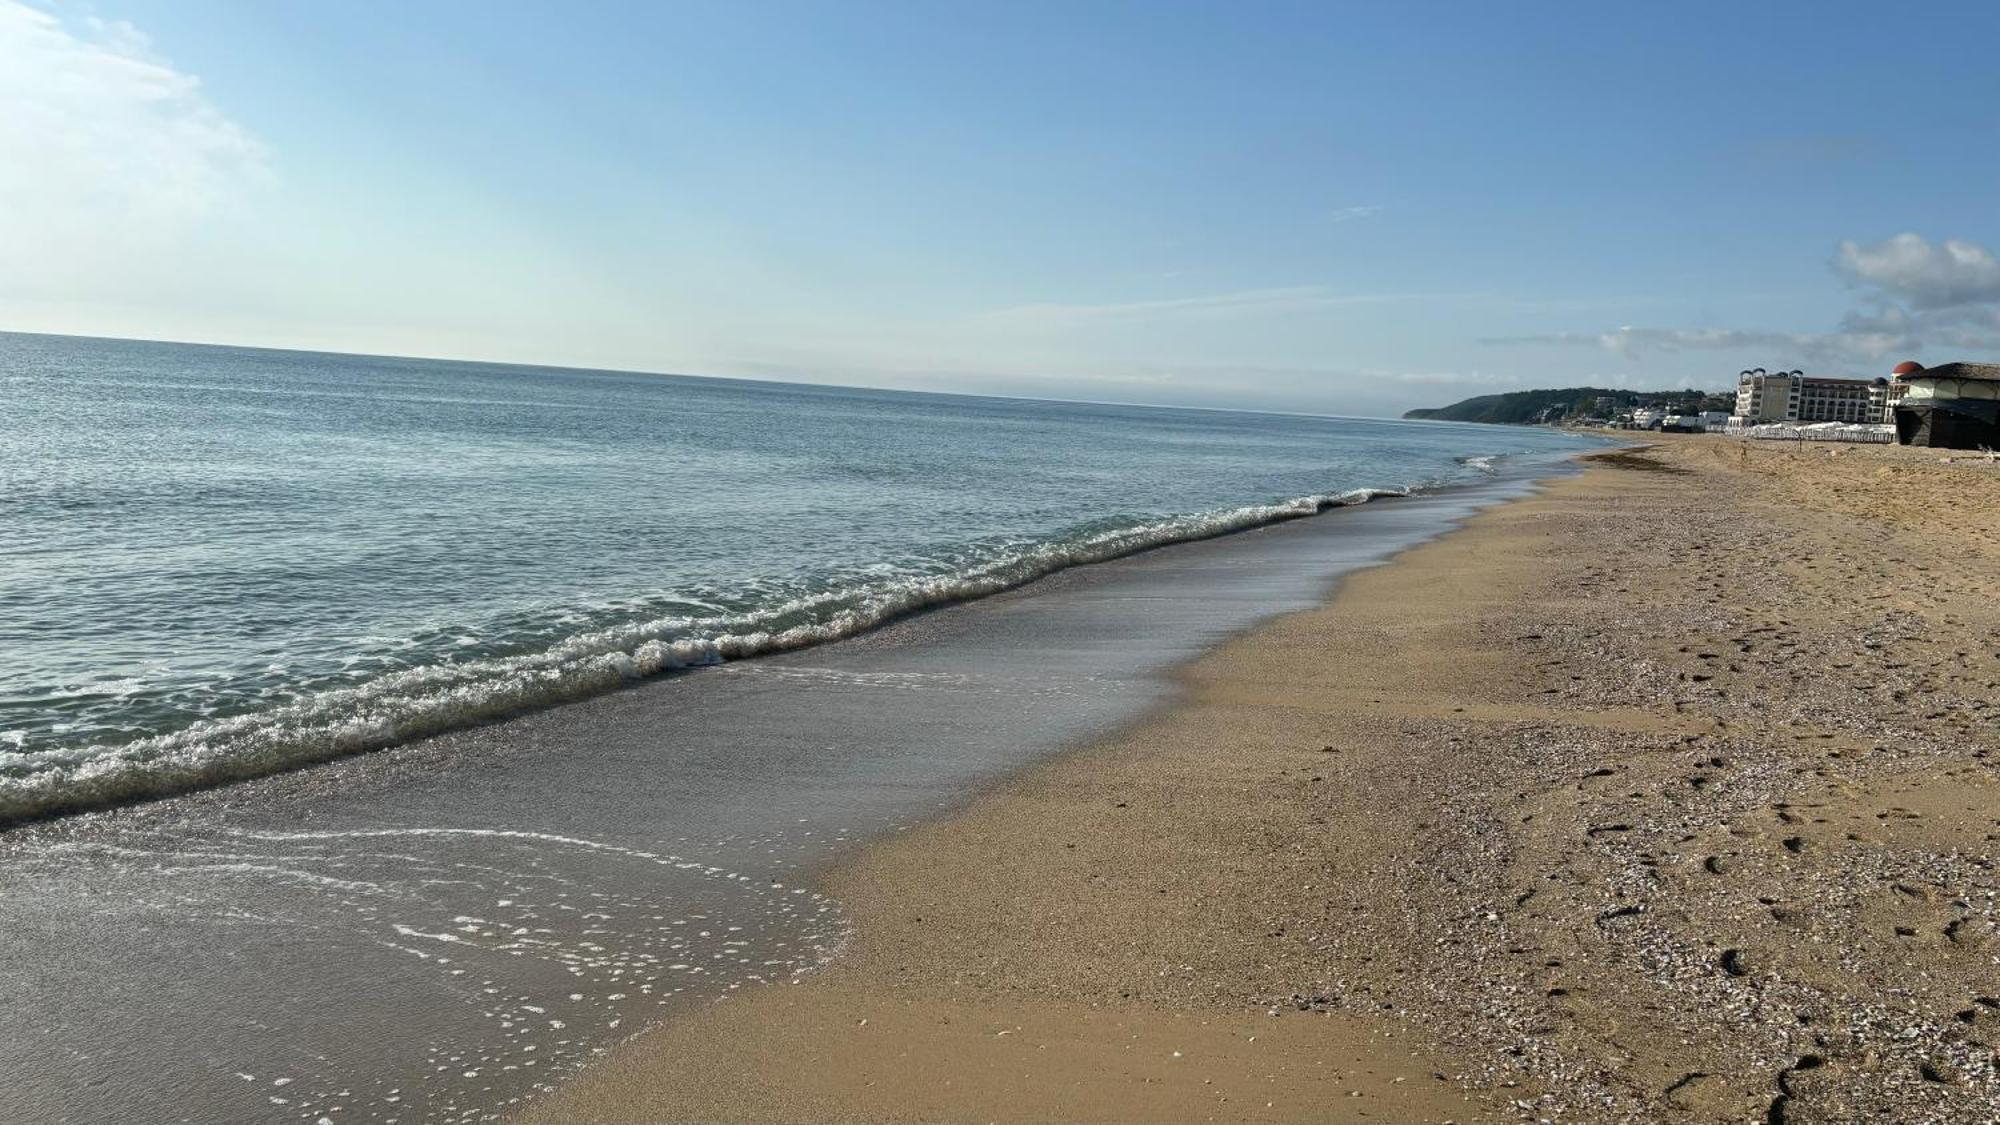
{"points": [[1324, 207]]}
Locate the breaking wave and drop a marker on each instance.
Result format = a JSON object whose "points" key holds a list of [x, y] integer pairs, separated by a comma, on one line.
{"points": [[430, 699]]}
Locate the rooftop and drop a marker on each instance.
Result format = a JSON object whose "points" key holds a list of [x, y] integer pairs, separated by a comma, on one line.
{"points": [[1985, 371]]}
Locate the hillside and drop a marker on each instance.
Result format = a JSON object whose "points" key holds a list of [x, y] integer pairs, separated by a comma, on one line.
{"points": [[1524, 407]]}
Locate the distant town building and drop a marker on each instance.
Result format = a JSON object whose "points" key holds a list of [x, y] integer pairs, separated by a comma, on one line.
{"points": [[1954, 405], [1707, 421], [1794, 396]]}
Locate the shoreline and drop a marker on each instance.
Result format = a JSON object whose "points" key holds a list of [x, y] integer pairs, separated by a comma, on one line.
{"points": [[889, 1042], [453, 968], [43, 787], [1447, 847]]}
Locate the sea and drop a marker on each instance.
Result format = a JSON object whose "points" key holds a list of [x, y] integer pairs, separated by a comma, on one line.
{"points": [[383, 740], [222, 562]]}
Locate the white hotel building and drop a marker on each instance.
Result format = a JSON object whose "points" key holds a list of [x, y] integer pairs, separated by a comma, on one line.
{"points": [[1794, 396]]}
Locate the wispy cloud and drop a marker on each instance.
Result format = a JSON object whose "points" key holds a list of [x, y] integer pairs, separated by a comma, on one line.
{"points": [[1791, 153], [1629, 340], [1444, 378], [1349, 214], [102, 143], [1914, 292], [1632, 342], [1239, 304]]}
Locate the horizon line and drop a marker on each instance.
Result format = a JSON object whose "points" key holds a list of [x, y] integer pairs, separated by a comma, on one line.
{"points": [[722, 378]]}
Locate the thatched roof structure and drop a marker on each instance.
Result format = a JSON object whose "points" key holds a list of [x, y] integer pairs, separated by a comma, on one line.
{"points": [[1982, 372], [1960, 406]]}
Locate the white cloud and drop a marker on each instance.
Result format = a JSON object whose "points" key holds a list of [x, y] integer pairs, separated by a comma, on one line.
{"points": [[1923, 274], [1349, 214], [106, 150]]}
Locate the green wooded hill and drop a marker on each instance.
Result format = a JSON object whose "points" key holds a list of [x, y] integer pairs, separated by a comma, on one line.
{"points": [[1521, 407]]}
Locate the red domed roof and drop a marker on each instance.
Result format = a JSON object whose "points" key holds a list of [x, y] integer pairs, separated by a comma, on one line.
{"points": [[1908, 367]]}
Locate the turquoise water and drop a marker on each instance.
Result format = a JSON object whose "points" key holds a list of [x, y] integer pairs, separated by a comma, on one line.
{"points": [[220, 562]]}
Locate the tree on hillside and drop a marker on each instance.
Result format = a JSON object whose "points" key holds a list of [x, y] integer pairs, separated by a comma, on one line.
{"points": [[1554, 405]]}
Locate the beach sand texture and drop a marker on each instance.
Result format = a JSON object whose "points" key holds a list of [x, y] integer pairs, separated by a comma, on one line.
{"points": [[1665, 794]]}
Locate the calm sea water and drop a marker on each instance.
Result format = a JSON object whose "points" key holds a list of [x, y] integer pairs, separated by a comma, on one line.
{"points": [[220, 562]]}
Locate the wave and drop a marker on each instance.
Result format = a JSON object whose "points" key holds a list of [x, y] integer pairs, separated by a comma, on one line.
{"points": [[431, 699]]}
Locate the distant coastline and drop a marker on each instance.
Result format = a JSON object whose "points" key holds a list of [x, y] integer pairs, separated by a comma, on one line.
{"points": [[1527, 408]]}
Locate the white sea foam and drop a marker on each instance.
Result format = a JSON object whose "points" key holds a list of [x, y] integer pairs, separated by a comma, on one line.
{"points": [[430, 699]]}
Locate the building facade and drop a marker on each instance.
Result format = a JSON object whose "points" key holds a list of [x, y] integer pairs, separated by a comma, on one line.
{"points": [[1794, 396]]}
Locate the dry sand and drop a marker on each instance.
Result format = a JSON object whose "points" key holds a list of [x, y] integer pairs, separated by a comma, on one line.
{"points": [[1666, 794]]}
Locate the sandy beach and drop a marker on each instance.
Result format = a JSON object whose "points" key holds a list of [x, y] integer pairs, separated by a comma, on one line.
{"points": [[1664, 794], [859, 564]]}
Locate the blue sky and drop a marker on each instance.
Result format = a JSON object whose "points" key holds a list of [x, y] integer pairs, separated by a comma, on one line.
{"points": [[1310, 206]]}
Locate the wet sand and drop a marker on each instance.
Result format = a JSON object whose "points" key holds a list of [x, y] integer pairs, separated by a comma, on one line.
{"points": [[1666, 794]]}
